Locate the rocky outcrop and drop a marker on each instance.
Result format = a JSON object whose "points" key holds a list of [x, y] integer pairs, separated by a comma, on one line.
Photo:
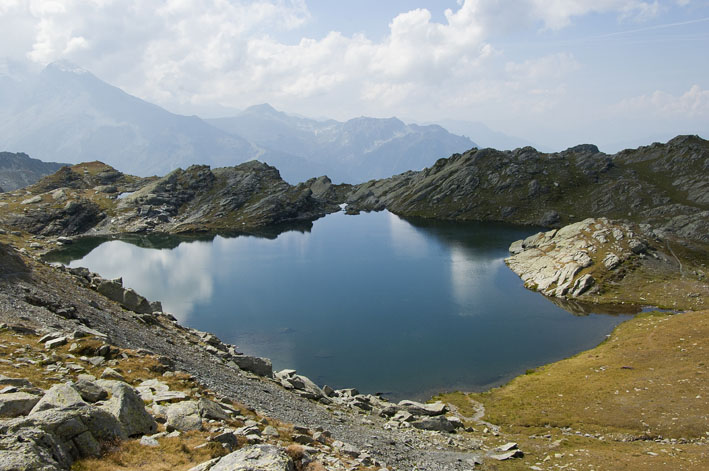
{"points": [[256, 365], [199, 199], [52, 439], [569, 261], [126, 297], [664, 185], [94, 198], [47, 219]]}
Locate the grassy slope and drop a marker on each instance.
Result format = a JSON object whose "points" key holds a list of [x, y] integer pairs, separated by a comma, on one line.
{"points": [[612, 406]]}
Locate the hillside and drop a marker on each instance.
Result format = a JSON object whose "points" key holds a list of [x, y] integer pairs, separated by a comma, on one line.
{"points": [[19, 170], [665, 185]]}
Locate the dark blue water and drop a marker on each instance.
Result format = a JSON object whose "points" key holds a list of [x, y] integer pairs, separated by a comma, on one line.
{"points": [[369, 301]]}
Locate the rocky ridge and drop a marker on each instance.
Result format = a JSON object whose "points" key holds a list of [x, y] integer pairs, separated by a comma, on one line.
{"points": [[95, 199], [664, 185]]}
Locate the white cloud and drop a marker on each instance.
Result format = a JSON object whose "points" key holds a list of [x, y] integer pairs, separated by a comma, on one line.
{"points": [[180, 53], [549, 66], [694, 103], [558, 14]]}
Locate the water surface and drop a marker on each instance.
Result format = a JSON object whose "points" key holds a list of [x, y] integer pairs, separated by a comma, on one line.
{"points": [[405, 308]]}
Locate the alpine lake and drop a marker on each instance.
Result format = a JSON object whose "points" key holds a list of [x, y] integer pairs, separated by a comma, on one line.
{"points": [[406, 308]]}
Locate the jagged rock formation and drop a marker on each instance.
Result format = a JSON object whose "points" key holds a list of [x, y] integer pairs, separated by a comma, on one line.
{"points": [[665, 185], [19, 170]]}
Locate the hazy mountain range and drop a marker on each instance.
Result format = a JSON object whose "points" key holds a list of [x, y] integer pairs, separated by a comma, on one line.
{"points": [[356, 150], [65, 113]]}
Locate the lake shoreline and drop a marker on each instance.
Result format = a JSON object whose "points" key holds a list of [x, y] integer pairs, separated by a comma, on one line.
{"points": [[313, 328]]}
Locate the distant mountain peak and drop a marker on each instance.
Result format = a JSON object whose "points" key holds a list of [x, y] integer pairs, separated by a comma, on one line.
{"points": [[68, 67], [263, 108]]}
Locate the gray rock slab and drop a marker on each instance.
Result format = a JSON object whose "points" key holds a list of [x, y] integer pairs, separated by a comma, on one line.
{"points": [[16, 404], [417, 408], [211, 410], [255, 457], [58, 396], [90, 391], [18, 382]]}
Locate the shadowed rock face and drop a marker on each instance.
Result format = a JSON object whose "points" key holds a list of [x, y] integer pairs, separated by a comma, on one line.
{"points": [[665, 185]]}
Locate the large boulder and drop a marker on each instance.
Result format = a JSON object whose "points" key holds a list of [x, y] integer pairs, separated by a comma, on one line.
{"points": [[17, 404], [184, 416], [302, 384], [211, 410], [417, 408], [255, 457], [127, 406], [53, 439], [256, 365], [439, 423]]}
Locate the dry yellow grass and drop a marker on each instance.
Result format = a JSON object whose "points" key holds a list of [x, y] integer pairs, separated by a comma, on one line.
{"points": [[640, 400], [173, 454], [648, 379]]}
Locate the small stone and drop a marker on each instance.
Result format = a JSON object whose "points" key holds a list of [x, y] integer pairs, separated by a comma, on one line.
{"points": [[90, 391], [146, 440], [54, 343], [270, 431], [227, 438], [303, 439], [507, 447], [110, 373], [47, 337], [506, 455]]}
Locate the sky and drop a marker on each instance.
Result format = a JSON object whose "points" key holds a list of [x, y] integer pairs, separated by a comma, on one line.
{"points": [[554, 72]]}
